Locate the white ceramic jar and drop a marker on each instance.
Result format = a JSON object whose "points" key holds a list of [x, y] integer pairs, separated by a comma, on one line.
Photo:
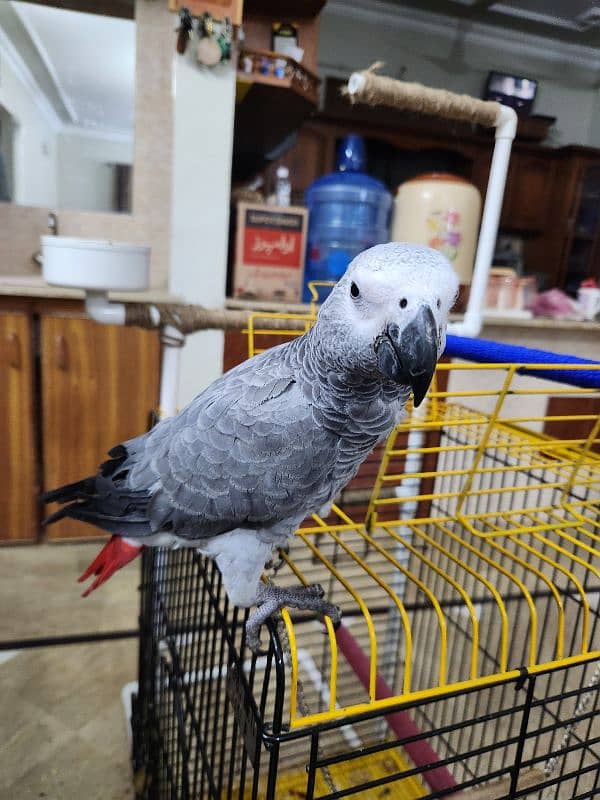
{"points": [[442, 211]]}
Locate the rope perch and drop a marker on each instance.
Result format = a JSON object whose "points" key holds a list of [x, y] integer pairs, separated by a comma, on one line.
{"points": [[190, 318], [367, 87]]}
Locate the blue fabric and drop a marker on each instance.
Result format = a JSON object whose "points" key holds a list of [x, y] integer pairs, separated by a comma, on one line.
{"points": [[488, 352]]}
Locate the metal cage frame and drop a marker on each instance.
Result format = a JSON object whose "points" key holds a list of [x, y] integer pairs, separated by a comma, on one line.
{"points": [[467, 659]]}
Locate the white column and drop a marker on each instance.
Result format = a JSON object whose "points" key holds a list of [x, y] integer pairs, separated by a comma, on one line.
{"points": [[203, 112]]}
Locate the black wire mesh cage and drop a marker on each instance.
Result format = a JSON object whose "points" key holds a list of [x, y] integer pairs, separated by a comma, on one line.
{"points": [[465, 560]]}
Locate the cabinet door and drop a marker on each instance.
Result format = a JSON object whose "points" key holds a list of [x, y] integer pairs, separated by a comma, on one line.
{"points": [[19, 518], [99, 386], [528, 192], [582, 250]]}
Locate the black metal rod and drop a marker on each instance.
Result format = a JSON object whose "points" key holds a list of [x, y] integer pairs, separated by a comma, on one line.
{"points": [[522, 736], [75, 638]]}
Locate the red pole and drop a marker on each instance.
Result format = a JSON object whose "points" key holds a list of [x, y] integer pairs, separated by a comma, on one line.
{"points": [[420, 752]]}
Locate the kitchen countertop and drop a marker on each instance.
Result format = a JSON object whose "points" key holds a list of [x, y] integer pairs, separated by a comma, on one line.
{"points": [[35, 286], [538, 322], [495, 321]]}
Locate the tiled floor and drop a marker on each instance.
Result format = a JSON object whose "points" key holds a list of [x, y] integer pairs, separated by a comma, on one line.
{"points": [[63, 732]]}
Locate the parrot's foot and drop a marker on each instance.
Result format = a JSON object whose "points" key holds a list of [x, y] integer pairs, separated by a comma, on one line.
{"points": [[271, 599], [114, 555]]}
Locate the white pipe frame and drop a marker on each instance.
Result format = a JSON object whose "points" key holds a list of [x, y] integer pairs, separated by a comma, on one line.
{"points": [[506, 129]]}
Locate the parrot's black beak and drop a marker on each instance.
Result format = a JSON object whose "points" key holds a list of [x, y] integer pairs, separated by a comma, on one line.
{"points": [[409, 357]]}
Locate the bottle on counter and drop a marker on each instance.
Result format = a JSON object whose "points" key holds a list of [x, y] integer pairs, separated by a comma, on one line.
{"points": [[348, 212], [283, 187]]}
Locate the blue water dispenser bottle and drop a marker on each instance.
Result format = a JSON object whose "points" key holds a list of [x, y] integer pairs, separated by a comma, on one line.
{"points": [[348, 212]]}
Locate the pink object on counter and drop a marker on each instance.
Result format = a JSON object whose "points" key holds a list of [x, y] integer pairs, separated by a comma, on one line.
{"points": [[421, 752], [555, 303]]}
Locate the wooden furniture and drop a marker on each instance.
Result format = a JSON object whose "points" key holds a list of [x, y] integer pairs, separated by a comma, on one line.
{"points": [[75, 389], [99, 387], [576, 224], [528, 192], [19, 476], [573, 428], [551, 199], [269, 109]]}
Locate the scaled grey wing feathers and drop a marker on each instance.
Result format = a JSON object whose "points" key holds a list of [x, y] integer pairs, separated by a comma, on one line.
{"points": [[244, 453]]}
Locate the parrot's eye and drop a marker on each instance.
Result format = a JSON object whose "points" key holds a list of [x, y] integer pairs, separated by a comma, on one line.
{"points": [[439, 303], [403, 302], [354, 290]]}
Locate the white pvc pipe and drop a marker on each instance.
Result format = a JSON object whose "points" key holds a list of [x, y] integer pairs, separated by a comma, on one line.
{"points": [[506, 129], [100, 309], [169, 373]]}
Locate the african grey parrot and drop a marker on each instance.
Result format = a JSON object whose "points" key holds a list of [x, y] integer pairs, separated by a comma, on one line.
{"points": [[277, 437]]}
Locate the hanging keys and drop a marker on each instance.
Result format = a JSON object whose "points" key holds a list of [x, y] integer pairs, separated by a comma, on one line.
{"points": [[208, 51], [184, 31]]}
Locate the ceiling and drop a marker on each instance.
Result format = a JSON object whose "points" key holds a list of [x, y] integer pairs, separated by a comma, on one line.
{"points": [[577, 15], [576, 21], [83, 63]]}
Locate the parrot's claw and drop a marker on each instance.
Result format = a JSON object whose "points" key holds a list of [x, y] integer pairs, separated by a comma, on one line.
{"points": [[275, 566], [114, 555], [271, 599]]}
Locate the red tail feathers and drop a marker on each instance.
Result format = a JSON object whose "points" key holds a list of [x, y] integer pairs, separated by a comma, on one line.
{"points": [[114, 555]]}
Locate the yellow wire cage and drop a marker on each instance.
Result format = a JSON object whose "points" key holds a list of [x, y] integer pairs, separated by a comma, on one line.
{"points": [[480, 535], [465, 558]]}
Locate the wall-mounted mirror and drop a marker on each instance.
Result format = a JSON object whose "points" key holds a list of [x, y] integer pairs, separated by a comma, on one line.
{"points": [[67, 83]]}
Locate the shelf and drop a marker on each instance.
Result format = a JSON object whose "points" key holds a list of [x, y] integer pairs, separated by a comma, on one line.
{"points": [[245, 82], [269, 110], [297, 76]]}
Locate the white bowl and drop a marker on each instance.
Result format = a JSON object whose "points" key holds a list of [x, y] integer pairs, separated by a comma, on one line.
{"points": [[100, 265]]}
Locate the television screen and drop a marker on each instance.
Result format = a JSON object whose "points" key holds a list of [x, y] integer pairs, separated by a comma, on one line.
{"points": [[512, 90]]}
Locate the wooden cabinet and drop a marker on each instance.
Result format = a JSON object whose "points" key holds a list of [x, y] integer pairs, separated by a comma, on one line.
{"points": [[568, 249], [580, 255], [70, 390], [99, 387], [18, 463], [552, 195], [528, 192]]}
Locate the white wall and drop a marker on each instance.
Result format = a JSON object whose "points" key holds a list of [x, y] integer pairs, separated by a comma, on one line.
{"points": [[203, 113], [54, 165], [34, 140], [457, 55], [85, 175]]}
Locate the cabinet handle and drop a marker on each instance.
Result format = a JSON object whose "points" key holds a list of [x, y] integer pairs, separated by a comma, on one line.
{"points": [[61, 352], [14, 350]]}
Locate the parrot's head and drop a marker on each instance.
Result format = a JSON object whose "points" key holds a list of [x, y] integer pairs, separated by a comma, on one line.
{"points": [[386, 317]]}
